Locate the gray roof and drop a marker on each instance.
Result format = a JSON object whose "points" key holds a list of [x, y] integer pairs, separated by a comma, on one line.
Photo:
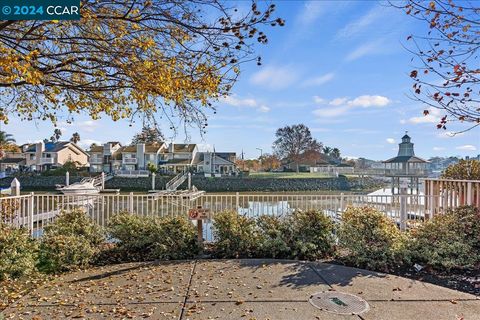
{"points": [[404, 159]]}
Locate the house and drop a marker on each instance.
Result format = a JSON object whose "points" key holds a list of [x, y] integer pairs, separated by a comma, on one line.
{"points": [[178, 157], [215, 163], [106, 158], [137, 157], [12, 161], [43, 156]]}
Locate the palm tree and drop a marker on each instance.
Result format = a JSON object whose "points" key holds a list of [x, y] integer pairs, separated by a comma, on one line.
{"points": [[335, 153], [75, 137], [57, 133], [6, 138], [327, 150]]}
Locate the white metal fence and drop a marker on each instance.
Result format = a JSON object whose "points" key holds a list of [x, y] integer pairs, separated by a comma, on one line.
{"points": [[35, 211]]}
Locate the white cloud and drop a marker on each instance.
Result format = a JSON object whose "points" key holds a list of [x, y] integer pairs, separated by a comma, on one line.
{"points": [[318, 81], [311, 11], [369, 101], [318, 100], [233, 100], [365, 49], [450, 134], [275, 77], [433, 116], [341, 106], [467, 147], [439, 148], [338, 101], [86, 126], [264, 108], [85, 144], [362, 23], [329, 112], [390, 140]]}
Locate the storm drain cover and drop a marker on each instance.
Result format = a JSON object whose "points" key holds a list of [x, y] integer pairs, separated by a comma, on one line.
{"points": [[339, 302]]}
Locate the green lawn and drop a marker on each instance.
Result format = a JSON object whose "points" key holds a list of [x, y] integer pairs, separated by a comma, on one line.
{"points": [[287, 175]]}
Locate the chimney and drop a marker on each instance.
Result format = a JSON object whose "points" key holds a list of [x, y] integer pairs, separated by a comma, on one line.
{"points": [[141, 156], [39, 149]]}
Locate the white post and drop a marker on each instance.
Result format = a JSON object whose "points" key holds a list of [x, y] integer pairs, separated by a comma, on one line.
{"points": [[67, 178], [130, 206], [237, 200], [153, 180], [403, 208], [341, 202], [15, 187], [103, 180], [30, 213], [189, 181], [469, 194]]}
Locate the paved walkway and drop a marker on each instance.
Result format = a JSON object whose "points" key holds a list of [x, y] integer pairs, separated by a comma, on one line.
{"points": [[237, 289]]}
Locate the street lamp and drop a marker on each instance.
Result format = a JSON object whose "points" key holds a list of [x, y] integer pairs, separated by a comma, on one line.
{"points": [[261, 155]]}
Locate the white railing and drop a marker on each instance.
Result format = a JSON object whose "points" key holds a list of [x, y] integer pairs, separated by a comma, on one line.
{"points": [[130, 160], [132, 173], [176, 181], [47, 160], [34, 211]]}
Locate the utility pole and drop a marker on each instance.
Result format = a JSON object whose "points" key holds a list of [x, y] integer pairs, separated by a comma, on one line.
{"points": [[261, 155]]}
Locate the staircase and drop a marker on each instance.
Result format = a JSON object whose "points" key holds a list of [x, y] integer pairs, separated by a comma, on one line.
{"points": [[176, 181], [97, 181]]}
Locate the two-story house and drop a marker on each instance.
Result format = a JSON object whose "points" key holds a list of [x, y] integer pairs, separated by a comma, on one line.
{"points": [[178, 157], [43, 156], [216, 162], [106, 158], [137, 157]]}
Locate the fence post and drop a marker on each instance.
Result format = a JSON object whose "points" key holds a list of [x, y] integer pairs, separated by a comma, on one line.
{"points": [[67, 178], [189, 181], [469, 194], [237, 200], [403, 209], [31, 203], [153, 180], [200, 232], [341, 202], [130, 203], [103, 180], [15, 187]]}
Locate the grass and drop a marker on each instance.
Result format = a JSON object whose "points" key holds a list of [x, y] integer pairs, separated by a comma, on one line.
{"points": [[287, 175]]}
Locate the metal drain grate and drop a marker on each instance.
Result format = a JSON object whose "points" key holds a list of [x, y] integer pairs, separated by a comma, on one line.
{"points": [[339, 302]]}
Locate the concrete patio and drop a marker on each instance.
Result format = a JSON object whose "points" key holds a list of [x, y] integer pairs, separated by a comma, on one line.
{"points": [[236, 289]]}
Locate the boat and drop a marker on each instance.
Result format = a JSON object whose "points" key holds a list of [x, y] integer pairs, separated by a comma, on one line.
{"points": [[86, 186]]}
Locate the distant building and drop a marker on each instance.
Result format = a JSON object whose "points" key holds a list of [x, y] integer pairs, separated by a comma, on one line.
{"points": [[172, 158], [43, 156], [406, 166], [215, 163], [106, 158]]}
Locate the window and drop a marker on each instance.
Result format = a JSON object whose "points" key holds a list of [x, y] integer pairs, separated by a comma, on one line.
{"points": [[32, 157]]}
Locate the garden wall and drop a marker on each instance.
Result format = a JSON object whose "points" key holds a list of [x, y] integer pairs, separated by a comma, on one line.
{"points": [[224, 184]]}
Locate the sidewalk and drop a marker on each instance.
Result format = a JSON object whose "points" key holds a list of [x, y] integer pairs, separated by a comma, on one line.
{"points": [[238, 289]]}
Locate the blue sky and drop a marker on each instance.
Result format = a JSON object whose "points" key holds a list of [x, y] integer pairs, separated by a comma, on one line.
{"points": [[339, 67]]}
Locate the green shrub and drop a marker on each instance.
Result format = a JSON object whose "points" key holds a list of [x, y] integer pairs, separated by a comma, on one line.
{"points": [[449, 241], [301, 235], [369, 239], [70, 242], [276, 237], [147, 238], [236, 236], [17, 252], [312, 235]]}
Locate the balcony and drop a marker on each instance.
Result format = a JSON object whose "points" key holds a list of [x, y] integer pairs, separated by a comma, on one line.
{"points": [[96, 160], [129, 160], [47, 161]]}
